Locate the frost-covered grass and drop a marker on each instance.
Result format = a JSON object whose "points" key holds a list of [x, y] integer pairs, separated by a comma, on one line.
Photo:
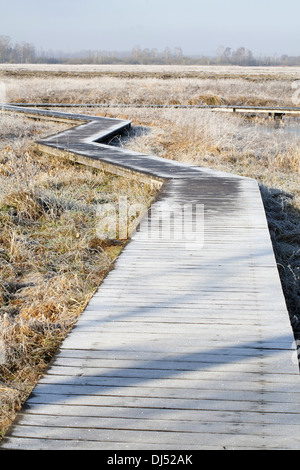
{"points": [[113, 90], [151, 84]]}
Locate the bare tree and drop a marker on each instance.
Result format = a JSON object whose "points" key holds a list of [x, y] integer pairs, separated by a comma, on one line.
{"points": [[178, 52], [5, 46]]}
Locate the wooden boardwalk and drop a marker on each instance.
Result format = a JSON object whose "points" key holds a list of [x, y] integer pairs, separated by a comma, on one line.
{"points": [[275, 112], [187, 343]]}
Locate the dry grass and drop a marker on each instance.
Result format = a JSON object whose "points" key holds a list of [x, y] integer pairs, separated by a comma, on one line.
{"points": [[283, 212], [256, 147], [152, 85], [164, 72], [51, 260]]}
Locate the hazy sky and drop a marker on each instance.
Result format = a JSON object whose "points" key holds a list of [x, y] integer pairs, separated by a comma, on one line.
{"points": [[198, 26]]}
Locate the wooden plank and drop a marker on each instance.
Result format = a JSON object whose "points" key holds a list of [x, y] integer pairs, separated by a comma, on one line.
{"points": [[157, 403], [171, 366], [207, 382], [163, 437], [171, 393], [243, 351], [158, 425], [63, 444], [124, 412]]}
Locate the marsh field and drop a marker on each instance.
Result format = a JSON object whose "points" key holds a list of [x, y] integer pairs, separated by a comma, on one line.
{"points": [[51, 261]]}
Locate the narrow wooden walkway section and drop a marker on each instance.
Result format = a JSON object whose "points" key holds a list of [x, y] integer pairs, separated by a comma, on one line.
{"points": [[187, 344], [276, 112]]}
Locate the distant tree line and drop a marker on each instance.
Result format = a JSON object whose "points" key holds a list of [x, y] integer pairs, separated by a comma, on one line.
{"points": [[25, 53], [19, 53]]}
